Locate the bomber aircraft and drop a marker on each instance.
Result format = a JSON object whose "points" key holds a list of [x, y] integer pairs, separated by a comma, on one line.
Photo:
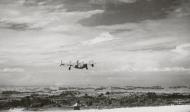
{"points": [[78, 65]]}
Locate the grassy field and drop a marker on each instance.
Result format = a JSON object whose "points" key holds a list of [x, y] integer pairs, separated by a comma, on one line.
{"points": [[91, 98]]}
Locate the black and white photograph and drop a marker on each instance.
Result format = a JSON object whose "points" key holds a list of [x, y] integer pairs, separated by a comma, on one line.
{"points": [[94, 55]]}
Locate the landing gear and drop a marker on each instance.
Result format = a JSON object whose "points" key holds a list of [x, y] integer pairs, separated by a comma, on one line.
{"points": [[69, 67]]}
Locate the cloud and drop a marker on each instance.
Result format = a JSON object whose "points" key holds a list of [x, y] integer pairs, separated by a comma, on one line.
{"points": [[181, 54], [181, 10], [156, 45], [12, 70], [129, 11], [183, 49], [17, 26], [104, 2], [65, 22], [48, 17], [103, 37], [128, 1], [152, 69]]}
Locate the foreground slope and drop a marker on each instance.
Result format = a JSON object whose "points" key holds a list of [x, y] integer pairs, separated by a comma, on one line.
{"points": [[173, 108]]}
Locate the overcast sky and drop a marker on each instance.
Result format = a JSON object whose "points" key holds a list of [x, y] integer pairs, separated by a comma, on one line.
{"points": [[133, 42]]}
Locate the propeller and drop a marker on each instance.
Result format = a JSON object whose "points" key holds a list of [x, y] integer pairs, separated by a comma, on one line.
{"points": [[61, 63], [91, 62]]}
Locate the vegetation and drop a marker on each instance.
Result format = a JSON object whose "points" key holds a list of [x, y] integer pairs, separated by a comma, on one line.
{"points": [[107, 100]]}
